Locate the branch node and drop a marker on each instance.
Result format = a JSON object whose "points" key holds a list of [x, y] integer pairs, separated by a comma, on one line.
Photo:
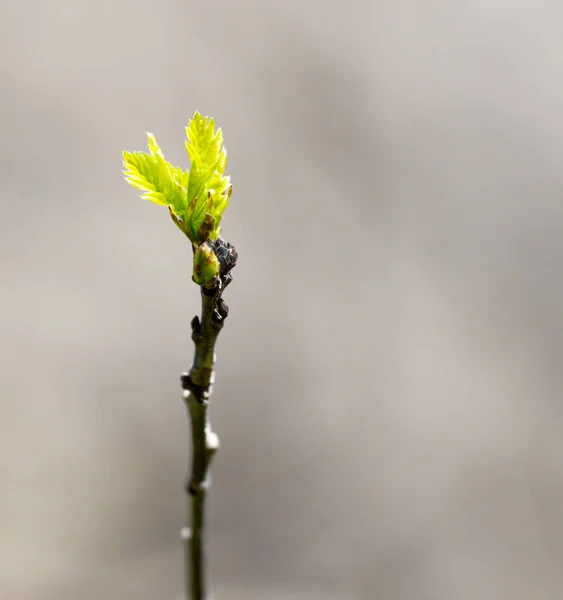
{"points": [[199, 392], [193, 489], [212, 291]]}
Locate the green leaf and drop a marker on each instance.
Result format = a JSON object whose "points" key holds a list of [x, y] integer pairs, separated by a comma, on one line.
{"points": [[207, 187], [203, 143], [161, 182]]}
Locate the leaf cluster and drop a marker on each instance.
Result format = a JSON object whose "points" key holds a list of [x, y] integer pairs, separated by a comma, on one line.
{"points": [[197, 198]]}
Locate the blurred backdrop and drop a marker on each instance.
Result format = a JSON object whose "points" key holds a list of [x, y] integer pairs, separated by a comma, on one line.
{"points": [[389, 386]]}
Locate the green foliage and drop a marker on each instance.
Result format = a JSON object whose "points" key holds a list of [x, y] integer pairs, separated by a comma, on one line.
{"points": [[161, 182], [196, 199]]}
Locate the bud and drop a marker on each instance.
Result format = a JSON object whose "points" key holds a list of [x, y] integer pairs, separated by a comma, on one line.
{"points": [[206, 266], [226, 254]]}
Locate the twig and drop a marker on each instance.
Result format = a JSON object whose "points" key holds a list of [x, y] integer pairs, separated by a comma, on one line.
{"points": [[197, 385], [196, 200]]}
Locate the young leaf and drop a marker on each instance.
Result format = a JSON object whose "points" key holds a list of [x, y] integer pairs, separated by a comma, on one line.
{"points": [[158, 179], [206, 182], [203, 143]]}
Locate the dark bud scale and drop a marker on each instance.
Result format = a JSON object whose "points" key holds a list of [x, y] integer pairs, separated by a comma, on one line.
{"points": [[226, 254]]}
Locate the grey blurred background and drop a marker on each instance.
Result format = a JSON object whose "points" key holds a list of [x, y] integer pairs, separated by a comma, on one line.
{"points": [[389, 388]]}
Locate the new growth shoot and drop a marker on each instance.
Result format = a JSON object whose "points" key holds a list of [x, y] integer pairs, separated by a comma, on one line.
{"points": [[196, 200]]}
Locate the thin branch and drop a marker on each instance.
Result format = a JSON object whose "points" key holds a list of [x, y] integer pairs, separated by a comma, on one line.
{"points": [[197, 385]]}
